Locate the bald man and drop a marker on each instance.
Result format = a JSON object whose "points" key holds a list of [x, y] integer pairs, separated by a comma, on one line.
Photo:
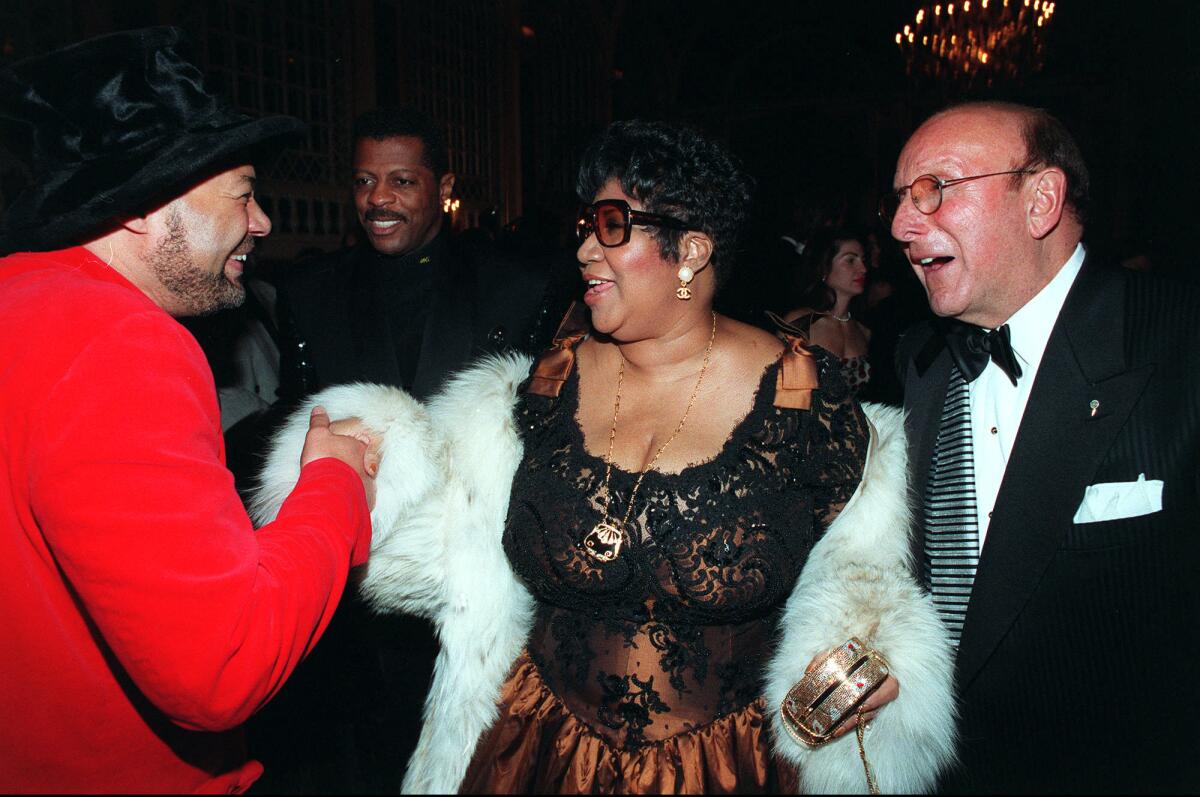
{"points": [[1053, 419]]}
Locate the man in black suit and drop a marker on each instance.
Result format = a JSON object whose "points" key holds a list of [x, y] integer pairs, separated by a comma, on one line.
{"points": [[1077, 602], [406, 307], [409, 305]]}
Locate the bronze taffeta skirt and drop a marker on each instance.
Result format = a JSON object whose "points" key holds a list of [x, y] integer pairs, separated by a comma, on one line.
{"points": [[537, 746]]}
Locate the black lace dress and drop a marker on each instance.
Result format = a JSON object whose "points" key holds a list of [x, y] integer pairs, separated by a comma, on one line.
{"points": [[644, 674]]}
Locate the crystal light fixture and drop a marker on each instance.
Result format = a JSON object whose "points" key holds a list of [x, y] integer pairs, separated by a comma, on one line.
{"points": [[977, 41]]}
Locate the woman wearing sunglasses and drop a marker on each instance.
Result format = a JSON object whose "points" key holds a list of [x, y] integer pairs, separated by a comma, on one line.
{"points": [[634, 546]]}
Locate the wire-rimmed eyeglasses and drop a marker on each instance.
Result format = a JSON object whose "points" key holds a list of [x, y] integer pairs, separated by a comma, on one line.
{"points": [[926, 193]]}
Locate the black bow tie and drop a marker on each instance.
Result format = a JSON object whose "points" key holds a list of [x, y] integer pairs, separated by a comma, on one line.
{"points": [[972, 347]]}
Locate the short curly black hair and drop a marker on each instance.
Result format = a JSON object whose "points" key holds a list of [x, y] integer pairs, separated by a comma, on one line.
{"points": [[673, 170], [391, 121]]}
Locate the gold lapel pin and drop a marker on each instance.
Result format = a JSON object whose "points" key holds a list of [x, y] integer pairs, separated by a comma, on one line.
{"points": [[1095, 405]]}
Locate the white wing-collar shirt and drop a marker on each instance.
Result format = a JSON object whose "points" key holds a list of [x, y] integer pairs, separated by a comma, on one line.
{"points": [[996, 405]]}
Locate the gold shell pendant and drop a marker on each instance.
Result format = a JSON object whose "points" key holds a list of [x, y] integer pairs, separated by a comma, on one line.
{"points": [[604, 541]]}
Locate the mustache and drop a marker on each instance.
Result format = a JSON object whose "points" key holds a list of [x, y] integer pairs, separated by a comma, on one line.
{"points": [[384, 215], [246, 247]]}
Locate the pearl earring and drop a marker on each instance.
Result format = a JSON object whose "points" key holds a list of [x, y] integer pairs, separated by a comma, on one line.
{"points": [[685, 276]]}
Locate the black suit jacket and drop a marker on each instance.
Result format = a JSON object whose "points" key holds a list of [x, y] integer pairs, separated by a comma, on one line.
{"points": [[335, 321], [1079, 657]]}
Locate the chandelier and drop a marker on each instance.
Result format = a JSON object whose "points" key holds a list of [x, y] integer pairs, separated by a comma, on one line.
{"points": [[977, 41]]}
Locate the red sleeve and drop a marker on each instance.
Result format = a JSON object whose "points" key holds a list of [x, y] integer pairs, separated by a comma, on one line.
{"points": [[130, 489]]}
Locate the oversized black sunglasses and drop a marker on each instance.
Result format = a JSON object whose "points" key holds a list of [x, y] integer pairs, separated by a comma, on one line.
{"points": [[612, 220]]}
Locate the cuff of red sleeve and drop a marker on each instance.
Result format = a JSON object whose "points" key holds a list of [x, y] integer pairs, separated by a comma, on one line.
{"points": [[340, 481]]}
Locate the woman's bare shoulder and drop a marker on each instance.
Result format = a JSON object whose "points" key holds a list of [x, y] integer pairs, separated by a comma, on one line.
{"points": [[751, 344]]}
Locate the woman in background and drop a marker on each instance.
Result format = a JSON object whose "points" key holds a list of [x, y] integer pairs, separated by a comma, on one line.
{"points": [[833, 276]]}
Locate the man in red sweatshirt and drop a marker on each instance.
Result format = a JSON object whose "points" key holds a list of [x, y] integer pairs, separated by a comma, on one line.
{"points": [[142, 618]]}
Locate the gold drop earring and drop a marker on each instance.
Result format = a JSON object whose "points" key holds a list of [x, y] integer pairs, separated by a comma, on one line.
{"points": [[686, 275]]}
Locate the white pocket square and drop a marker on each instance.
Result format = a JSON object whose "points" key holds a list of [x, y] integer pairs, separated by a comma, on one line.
{"points": [[1117, 500]]}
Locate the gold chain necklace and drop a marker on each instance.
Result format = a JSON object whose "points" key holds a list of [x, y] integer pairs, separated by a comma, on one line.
{"points": [[605, 540]]}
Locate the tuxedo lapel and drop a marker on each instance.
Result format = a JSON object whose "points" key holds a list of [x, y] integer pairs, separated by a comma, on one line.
{"points": [[925, 393], [1058, 449]]}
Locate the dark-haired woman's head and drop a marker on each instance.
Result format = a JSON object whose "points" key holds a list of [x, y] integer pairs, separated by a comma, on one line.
{"points": [[834, 263], [674, 171]]}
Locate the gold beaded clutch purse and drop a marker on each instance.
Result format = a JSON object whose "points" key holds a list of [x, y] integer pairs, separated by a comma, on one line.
{"points": [[832, 692]]}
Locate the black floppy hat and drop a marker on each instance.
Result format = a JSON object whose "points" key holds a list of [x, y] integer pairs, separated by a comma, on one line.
{"points": [[111, 128]]}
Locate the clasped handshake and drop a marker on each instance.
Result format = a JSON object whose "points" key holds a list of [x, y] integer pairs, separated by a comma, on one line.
{"points": [[347, 439]]}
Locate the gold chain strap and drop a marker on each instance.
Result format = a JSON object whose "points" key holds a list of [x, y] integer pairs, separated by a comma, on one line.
{"points": [[612, 435], [861, 730]]}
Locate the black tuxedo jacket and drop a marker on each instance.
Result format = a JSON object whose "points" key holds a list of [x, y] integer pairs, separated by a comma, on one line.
{"points": [[335, 325], [1080, 655]]}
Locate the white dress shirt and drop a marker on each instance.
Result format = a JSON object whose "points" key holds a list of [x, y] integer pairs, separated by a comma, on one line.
{"points": [[996, 406]]}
